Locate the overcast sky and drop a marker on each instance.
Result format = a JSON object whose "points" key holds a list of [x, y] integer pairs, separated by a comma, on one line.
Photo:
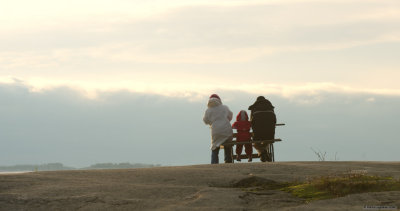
{"points": [[306, 55]]}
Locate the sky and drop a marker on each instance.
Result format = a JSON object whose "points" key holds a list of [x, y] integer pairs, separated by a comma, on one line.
{"points": [[102, 80]]}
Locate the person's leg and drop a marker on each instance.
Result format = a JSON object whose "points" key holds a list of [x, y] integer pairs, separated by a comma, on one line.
{"points": [[214, 156], [249, 151], [260, 148], [248, 148], [228, 154], [239, 148], [256, 137]]}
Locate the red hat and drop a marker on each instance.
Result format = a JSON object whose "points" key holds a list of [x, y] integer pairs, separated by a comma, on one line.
{"points": [[215, 96]]}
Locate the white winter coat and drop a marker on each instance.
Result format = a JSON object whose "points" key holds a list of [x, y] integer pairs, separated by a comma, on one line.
{"points": [[218, 116]]}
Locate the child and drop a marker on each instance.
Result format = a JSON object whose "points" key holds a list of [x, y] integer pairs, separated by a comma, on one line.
{"points": [[242, 125]]}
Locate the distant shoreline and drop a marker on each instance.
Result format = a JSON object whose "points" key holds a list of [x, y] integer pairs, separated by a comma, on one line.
{"points": [[14, 172], [60, 167]]}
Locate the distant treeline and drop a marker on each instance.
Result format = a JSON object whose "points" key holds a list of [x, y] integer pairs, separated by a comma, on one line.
{"points": [[60, 166], [120, 166]]}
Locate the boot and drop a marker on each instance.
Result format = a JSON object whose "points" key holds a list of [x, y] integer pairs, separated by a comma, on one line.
{"points": [[263, 157]]}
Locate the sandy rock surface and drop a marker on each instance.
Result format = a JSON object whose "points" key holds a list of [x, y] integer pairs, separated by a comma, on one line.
{"points": [[199, 187]]}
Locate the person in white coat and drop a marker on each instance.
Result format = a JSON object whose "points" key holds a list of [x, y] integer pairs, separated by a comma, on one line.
{"points": [[218, 116]]}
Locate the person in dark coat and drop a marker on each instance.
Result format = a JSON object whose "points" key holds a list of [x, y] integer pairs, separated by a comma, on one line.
{"points": [[263, 121]]}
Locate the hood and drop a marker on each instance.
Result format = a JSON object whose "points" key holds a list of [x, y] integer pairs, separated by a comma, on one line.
{"points": [[242, 116], [261, 102], [213, 102]]}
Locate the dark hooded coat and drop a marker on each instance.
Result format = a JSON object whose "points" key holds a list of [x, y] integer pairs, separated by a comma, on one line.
{"points": [[263, 119]]}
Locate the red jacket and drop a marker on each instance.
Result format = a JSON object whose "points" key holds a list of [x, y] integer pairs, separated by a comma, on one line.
{"points": [[242, 125]]}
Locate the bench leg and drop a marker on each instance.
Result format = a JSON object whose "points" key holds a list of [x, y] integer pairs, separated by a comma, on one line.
{"points": [[270, 153]]}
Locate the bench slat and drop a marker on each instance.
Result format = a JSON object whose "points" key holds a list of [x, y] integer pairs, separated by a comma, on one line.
{"points": [[244, 156], [252, 142]]}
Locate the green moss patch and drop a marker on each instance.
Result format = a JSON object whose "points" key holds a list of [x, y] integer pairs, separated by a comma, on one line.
{"points": [[327, 187]]}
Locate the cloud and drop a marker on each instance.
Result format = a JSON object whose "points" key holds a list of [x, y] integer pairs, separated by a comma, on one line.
{"points": [[308, 93], [371, 99], [208, 33], [279, 47], [52, 125], [95, 81]]}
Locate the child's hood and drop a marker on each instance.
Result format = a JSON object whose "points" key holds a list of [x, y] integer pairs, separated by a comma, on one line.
{"points": [[242, 116]]}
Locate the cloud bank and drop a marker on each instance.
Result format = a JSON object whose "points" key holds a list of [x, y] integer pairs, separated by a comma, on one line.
{"points": [[189, 90], [61, 125]]}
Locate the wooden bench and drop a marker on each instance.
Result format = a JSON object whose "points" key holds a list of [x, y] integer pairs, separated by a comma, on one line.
{"points": [[269, 147]]}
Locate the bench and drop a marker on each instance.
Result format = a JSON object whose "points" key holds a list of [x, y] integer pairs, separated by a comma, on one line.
{"points": [[269, 146]]}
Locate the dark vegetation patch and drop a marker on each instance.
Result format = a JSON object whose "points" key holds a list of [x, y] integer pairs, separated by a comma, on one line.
{"points": [[324, 187], [251, 183], [259, 182]]}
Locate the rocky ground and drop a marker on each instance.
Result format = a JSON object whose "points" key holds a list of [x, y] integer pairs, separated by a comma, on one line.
{"points": [[199, 187]]}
